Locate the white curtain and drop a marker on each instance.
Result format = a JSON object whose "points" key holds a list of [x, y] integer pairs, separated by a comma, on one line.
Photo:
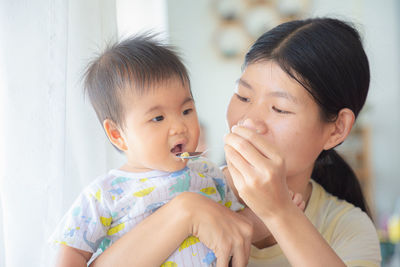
{"points": [[51, 142]]}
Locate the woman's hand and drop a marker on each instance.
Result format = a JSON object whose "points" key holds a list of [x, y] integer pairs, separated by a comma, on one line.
{"points": [[259, 175], [260, 230], [225, 232], [258, 171]]}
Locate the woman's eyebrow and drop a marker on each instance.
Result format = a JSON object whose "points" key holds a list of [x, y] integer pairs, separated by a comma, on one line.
{"points": [[244, 83], [284, 94], [276, 93]]}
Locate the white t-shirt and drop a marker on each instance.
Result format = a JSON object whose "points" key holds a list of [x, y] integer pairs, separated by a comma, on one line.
{"points": [[347, 229]]}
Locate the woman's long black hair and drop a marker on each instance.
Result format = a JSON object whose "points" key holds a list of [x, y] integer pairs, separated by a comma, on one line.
{"points": [[326, 57]]}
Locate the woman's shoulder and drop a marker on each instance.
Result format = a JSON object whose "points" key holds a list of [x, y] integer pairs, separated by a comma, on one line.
{"points": [[322, 202], [347, 229], [331, 214], [330, 209], [354, 238]]}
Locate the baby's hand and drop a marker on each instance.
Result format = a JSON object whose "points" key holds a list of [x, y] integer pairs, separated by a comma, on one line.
{"points": [[297, 199]]}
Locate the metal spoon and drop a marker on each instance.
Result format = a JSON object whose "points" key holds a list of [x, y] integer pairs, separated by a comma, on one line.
{"points": [[191, 155]]}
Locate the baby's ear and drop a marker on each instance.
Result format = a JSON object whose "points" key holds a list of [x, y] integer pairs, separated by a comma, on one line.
{"points": [[114, 134]]}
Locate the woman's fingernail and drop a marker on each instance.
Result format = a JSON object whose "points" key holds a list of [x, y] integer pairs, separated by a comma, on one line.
{"points": [[234, 127]]}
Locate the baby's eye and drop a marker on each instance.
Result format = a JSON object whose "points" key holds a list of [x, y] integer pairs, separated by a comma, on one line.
{"points": [[158, 118], [241, 98], [280, 111], [187, 111]]}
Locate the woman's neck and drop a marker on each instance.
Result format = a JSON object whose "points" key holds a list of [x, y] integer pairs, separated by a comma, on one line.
{"points": [[300, 183]]}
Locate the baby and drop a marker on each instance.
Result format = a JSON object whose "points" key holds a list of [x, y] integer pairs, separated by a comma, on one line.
{"points": [[141, 93]]}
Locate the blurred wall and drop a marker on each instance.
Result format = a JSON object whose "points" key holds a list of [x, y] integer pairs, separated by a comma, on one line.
{"points": [[192, 25], [382, 21]]}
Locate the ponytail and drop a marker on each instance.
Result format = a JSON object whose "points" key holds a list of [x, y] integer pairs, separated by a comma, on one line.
{"points": [[333, 173]]}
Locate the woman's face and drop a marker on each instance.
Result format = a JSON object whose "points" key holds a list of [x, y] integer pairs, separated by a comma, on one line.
{"points": [[283, 112]]}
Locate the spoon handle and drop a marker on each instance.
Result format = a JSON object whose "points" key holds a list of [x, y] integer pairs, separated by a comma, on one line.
{"points": [[190, 155]]}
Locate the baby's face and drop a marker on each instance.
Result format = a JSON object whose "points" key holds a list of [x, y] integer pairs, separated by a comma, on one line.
{"points": [[159, 124]]}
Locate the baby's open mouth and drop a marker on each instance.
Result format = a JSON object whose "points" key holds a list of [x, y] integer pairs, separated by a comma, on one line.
{"points": [[177, 149]]}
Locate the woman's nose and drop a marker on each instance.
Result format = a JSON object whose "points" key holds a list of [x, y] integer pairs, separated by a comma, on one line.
{"points": [[258, 125]]}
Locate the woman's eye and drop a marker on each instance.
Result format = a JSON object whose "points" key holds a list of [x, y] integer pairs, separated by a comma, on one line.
{"points": [[280, 111], [241, 98], [158, 118], [187, 111]]}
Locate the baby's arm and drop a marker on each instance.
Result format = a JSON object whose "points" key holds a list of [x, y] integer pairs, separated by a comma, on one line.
{"points": [[72, 257], [81, 230]]}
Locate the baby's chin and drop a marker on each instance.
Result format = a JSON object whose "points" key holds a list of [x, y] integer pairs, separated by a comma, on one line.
{"points": [[174, 165]]}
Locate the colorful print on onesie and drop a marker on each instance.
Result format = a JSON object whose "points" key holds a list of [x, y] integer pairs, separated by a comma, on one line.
{"points": [[116, 202]]}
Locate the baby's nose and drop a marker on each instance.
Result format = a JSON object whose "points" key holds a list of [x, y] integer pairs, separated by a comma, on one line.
{"points": [[258, 126], [177, 127]]}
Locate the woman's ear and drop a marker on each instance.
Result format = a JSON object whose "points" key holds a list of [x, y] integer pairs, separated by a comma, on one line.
{"points": [[341, 128], [114, 134]]}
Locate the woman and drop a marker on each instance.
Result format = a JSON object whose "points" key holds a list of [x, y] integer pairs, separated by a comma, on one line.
{"points": [[302, 86]]}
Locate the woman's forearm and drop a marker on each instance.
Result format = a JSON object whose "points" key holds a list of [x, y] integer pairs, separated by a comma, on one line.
{"points": [[300, 241], [150, 242]]}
